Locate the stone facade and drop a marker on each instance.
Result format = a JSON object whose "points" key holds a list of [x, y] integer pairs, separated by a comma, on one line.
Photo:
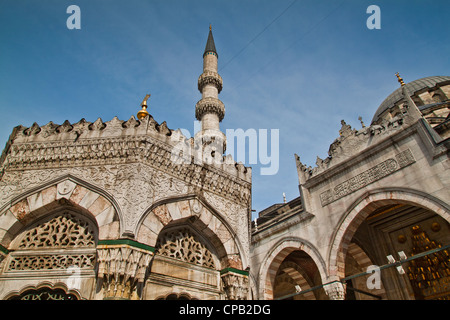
{"points": [[126, 181], [361, 204], [130, 209]]}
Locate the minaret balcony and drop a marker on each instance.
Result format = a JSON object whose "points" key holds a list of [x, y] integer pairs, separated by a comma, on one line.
{"points": [[209, 77], [209, 105]]}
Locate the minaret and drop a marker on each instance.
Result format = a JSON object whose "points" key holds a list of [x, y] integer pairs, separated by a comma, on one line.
{"points": [[210, 110]]}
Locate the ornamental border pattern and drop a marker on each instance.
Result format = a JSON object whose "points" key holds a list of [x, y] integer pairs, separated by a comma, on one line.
{"points": [[367, 177]]}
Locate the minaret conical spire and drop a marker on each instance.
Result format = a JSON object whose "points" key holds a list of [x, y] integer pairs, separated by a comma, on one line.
{"points": [[210, 45]]}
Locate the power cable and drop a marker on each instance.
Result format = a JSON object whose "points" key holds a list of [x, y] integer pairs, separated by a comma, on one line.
{"points": [[260, 33]]}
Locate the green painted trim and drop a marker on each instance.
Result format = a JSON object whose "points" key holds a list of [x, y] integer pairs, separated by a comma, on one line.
{"points": [[233, 270], [128, 242], [3, 249]]}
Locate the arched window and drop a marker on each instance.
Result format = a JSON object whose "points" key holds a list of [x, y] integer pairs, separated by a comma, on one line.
{"points": [[62, 241], [184, 245]]}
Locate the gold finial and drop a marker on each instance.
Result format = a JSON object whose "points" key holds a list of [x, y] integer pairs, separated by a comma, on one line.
{"points": [[143, 112], [210, 27], [400, 80]]}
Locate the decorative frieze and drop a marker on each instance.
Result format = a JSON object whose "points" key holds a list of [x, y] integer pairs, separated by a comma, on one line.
{"points": [[367, 177], [51, 262], [120, 151]]}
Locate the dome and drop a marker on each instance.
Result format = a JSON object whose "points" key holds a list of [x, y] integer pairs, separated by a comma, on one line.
{"points": [[413, 87]]}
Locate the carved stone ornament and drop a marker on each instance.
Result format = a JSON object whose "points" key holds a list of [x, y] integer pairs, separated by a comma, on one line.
{"points": [[209, 105], [367, 177], [209, 77], [235, 286], [335, 290], [182, 245], [66, 231], [122, 268], [65, 187], [349, 143]]}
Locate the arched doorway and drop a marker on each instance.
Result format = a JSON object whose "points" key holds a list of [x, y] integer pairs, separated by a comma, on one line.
{"points": [[290, 270], [295, 278], [387, 228]]}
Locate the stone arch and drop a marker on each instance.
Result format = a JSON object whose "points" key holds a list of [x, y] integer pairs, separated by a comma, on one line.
{"points": [[70, 294], [205, 220], [360, 210], [295, 276], [66, 191], [177, 296], [363, 262], [275, 258]]}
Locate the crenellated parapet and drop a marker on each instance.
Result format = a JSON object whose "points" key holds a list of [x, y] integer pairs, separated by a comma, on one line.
{"points": [[119, 142], [350, 142]]}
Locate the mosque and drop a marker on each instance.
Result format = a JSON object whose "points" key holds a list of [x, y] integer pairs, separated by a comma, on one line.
{"points": [[117, 210]]}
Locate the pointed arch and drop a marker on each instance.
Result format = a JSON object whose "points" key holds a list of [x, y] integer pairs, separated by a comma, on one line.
{"points": [[59, 290], [203, 217], [360, 210], [66, 191], [275, 258]]}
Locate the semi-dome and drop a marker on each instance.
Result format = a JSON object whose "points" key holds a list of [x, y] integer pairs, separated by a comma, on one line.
{"points": [[425, 91]]}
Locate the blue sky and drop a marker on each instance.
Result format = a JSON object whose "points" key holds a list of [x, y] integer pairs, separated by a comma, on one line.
{"points": [[297, 66]]}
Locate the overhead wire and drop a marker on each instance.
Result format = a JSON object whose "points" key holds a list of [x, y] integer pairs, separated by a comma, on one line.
{"points": [[259, 34], [296, 41]]}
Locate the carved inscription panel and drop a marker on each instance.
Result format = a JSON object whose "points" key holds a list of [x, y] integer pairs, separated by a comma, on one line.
{"points": [[367, 177]]}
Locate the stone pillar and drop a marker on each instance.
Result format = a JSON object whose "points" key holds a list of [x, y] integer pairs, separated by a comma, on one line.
{"points": [[122, 266]]}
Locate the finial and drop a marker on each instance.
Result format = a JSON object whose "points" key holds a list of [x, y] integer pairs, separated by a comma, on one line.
{"points": [[362, 123], [143, 112], [400, 80], [210, 29]]}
